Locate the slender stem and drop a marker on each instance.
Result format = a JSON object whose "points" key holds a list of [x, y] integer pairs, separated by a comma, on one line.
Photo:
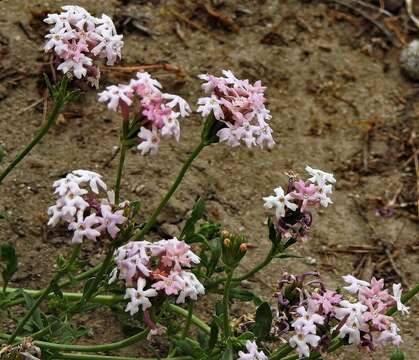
{"points": [[93, 287], [86, 348], [45, 293], [139, 235], [122, 155], [103, 357], [251, 272], [58, 104], [36, 293], [188, 320], [226, 304], [112, 299]]}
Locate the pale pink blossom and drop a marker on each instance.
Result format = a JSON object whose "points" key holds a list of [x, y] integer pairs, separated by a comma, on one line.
{"points": [[252, 353], [302, 343], [139, 297], [83, 228]]}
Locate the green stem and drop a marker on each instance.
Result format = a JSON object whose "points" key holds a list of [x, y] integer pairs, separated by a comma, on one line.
{"points": [[112, 299], [139, 235], [93, 287], [86, 348], [251, 272], [226, 304], [52, 117], [103, 357], [188, 320], [36, 293], [45, 293], [122, 155]]}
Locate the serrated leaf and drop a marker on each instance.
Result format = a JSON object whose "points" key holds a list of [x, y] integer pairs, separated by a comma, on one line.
{"points": [[8, 262], [397, 354], [197, 213], [263, 321]]}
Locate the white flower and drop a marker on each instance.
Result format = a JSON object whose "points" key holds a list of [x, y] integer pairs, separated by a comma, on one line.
{"points": [[253, 352], [351, 328], [320, 177], [109, 220], [184, 107], [150, 143], [138, 297], [355, 283], [94, 179], [68, 184], [307, 321], [302, 341], [208, 105], [322, 195], [192, 287], [83, 228], [346, 308], [390, 336], [397, 291], [115, 94], [78, 67], [171, 126], [280, 201]]}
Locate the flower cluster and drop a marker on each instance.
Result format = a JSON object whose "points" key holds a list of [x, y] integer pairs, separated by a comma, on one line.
{"points": [[159, 112], [253, 352], [87, 215], [77, 39], [149, 268], [317, 313], [291, 207], [240, 106]]}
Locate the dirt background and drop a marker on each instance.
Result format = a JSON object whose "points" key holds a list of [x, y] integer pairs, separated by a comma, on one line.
{"points": [[338, 99]]}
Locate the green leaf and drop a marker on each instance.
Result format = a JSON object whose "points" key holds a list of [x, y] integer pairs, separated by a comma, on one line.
{"points": [[87, 285], [3, 216], [397, 354], [8, 261], [135, 207], [263, 321], [36, 316], [227, 354], [213, 335], [190, 347], [215, 247], [197, 213], [245, 295]]}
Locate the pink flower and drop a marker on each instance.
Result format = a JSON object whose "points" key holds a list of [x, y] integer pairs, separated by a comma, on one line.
{"points": [[171, 284], [390, 336], [306, 193], [78, 39], [240, 106], [355, 284], [116, 96], [327, 300]]}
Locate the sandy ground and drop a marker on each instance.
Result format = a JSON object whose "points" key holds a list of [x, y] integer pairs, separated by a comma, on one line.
{"points": [[330, 79]]}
